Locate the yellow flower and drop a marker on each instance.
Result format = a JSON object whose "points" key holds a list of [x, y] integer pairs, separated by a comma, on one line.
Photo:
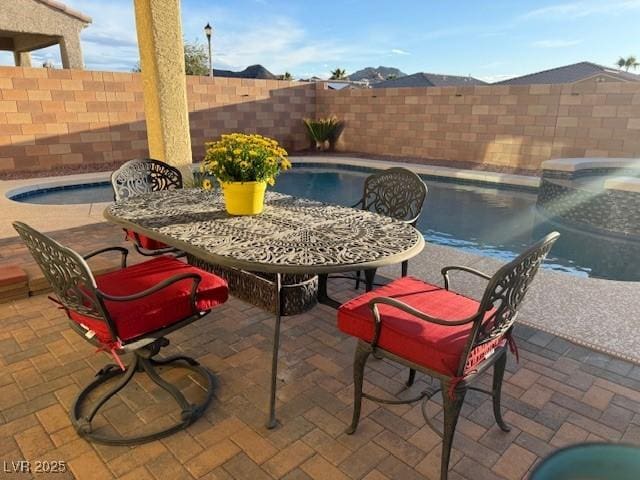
{"points": [[237, 151], [202, 168], [206, 184], [271, 181], [244, 164], [285, 164]]}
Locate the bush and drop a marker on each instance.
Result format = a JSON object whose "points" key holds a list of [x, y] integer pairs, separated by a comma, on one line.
{"points": [[324, 131]]}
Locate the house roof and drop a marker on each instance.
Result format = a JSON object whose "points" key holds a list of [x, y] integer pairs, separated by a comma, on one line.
{"points": [[571, 73], [67, 10], [253, 71], [422, 79]]}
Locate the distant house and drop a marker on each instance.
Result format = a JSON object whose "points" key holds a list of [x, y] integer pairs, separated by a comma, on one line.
{"points": [[342, 84], [575, 73], [422, 79], [339, 84], [254, 71]]}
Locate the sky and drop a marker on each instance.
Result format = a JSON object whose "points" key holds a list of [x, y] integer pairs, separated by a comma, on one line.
{"points": [[491, 40]]}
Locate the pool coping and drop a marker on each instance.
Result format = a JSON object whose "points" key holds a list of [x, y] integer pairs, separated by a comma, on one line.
{"points": [[57, 217], [434, 171], [48, 217]]}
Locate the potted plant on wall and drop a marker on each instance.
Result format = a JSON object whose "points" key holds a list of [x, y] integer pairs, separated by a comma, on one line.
{"points": [[244, 165]]}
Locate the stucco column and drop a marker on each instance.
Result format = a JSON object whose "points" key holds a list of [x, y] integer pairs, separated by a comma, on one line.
{"points": [[22, 59], [164, 83], [71, 52]]}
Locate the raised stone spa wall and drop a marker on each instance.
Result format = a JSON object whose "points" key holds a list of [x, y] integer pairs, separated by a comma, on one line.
{"points": [[589, 172], [604, 211], [59, 118]]}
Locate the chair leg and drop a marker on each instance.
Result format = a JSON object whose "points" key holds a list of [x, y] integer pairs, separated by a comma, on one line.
{"points": [[498, 375], [143, 361], [452, 407], [412, 377], [405, 268], [357, 279], [359, 362], [369, 276]]}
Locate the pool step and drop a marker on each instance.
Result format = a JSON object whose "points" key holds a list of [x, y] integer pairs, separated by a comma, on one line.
{"points": [[18, 282], [14, 283]]}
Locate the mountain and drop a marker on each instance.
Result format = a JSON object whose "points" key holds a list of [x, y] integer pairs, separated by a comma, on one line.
{"points": [[253, 71], [375, 75]]}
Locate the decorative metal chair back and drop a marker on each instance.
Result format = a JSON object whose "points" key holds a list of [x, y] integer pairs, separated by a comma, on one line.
{"points": [[505, 292], [397, 192], [67, 273], [143, 176]]}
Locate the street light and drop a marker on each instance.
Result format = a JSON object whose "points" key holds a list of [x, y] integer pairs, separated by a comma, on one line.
{"points": [[208, 30]]}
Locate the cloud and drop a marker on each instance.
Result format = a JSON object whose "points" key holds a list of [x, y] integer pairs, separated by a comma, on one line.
{"points": [[241, 37], [555, 43], [288, 47], [110, 42], [564, 11]]}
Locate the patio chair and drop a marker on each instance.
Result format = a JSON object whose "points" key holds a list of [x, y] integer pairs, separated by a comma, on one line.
{"points": [[398, 193], [446, 335], [140, 176], [130, 310]]}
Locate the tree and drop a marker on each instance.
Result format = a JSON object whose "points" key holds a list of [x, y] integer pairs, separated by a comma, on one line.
{"points": [[286, 76], [392, 76], [338, 74], [631, 62], [196, 59], [627, 63]]}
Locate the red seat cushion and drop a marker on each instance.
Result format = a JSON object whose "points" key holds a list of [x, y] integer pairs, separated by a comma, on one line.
{"points": [[161, 309], [145, 242], [436, 347]]}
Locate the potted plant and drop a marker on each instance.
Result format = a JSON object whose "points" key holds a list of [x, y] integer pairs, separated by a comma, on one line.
{"points": [[244, 165], [324, 132]]}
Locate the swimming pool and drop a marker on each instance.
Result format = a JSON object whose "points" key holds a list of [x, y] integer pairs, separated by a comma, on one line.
{"points": [[479, 219]]}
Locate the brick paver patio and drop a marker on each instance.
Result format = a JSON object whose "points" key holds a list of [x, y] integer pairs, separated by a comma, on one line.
{"points": [[558, 394]]}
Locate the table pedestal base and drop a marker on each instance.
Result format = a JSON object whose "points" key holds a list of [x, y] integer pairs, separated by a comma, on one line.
{"points": [[299, 292]]}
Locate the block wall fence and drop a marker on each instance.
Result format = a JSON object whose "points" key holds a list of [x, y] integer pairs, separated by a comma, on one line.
{"points": [[57, 118], [512, 126]]}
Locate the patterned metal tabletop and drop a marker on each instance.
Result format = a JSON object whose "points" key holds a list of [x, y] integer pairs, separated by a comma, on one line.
{"points": [[292, 235]]}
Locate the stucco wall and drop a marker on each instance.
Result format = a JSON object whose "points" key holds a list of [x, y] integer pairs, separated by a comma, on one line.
{"points": [[514, 126], [53, 118]]}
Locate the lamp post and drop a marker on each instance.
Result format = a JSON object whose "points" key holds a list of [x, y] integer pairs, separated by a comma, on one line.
{"points": [[208, 30]]}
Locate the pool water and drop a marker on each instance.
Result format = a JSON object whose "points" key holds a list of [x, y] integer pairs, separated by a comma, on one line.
{"points": [[69, 195], [499, 223]]}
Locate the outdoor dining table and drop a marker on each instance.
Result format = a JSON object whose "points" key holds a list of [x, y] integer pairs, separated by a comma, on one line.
{"points": [[291, 236]]}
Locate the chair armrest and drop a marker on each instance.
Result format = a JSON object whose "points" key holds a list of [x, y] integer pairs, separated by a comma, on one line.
{"points": [[374, 302], [123, 251], [473, 271], [164, 284]]}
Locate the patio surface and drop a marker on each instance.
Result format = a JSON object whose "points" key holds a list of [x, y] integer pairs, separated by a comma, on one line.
{"points": [[560, 393]]}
